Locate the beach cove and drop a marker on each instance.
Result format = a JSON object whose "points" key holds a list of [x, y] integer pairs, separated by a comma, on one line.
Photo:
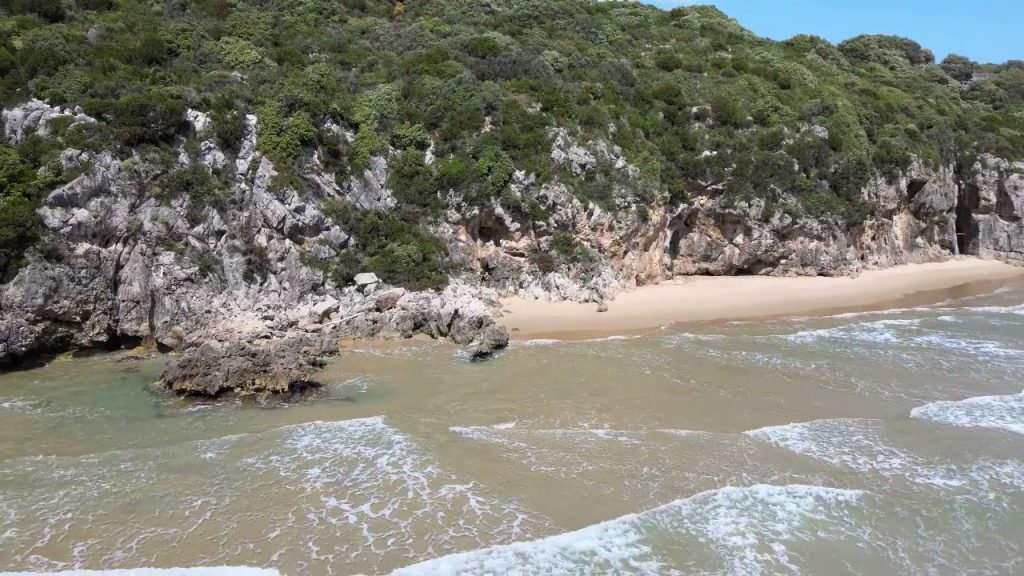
{"points": [[721, 298]]}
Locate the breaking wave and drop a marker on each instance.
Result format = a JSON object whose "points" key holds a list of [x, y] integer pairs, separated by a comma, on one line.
{"points": [[859, 444], [746, 531], [1003, 412], [349, 489]]}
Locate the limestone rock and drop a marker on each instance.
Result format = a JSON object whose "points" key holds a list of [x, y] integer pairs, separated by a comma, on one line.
{"points": [[365, 280], [389, 299], [322, 310], [264, 368], [491, 339], [33, 117]]}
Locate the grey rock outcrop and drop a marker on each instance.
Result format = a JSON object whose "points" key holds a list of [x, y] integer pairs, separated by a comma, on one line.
{"points": [[34, 117], [994, 203], [490, 340], [256, 369]]}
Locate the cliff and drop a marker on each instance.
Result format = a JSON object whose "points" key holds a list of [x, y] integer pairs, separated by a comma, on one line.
{"points": [[404, 191]]}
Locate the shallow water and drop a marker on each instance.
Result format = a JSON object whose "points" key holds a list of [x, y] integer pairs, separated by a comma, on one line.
{"points": [[884, 442]]}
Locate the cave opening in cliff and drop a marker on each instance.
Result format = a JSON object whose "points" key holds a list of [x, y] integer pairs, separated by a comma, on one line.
{"points": [[489, 230], [118, 342], [966, 227]]}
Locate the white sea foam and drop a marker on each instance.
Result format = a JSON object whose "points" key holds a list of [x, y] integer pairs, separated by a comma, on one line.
{"points": [[554, 341], [1017, 309], [489, 433], [564, 453], [367, 476], [343, 489], [613, 338], [686, 337], [851, 442], [881, 331], [970, 346], [1004, 412], [536, 342], [907, 333], [18, 405], [859, 445], [683, 433], [745, 529], [886, 312], [211, 571]]}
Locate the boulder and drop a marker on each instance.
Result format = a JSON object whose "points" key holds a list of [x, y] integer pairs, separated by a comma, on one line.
{"points": [[261, 369], [388, 299], [322, 310], [366, 280], [490, 340]]}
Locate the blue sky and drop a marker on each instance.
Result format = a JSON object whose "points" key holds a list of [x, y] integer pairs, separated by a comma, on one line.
{"points": [[983, 30]]}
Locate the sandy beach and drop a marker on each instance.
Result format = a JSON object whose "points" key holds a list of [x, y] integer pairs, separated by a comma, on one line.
{"points": [[708, 299]]}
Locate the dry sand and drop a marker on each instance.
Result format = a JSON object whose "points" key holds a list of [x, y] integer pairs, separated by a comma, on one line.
{"points": [[708, 299]]}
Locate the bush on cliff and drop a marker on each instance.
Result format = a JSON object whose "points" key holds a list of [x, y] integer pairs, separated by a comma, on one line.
{"points": [[21, 189]]}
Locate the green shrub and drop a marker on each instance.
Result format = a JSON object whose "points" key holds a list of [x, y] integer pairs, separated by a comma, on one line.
{"points": [[283, 136], [367, 143], [197, 184], [413, 183], [377, 106], [22, 187], [152, 117], [959, 67], [239, 54], [229, 128], [49, 10], [392, 245]]}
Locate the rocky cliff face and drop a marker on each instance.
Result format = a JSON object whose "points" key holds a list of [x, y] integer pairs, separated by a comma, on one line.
{"points": [[134, 265], [920, 216]]}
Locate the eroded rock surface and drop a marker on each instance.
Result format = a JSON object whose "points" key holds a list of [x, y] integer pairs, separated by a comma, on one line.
{"points": [[260, 368]]}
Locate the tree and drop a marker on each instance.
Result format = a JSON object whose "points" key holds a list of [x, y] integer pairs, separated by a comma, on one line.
{"points": [[959, 67]]}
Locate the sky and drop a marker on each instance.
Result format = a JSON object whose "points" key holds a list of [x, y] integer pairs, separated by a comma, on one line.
{"points": [[990, 31]]}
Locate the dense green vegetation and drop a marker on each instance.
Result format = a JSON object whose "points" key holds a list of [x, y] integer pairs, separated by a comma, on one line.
{"points": [[696, 102], [23, 184]]}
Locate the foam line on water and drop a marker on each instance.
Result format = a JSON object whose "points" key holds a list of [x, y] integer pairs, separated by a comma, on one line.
{"points": [[907, 333], [859, 444], [375, 482], [1003, 412], [881, 331], [1016, 310], [746, 528], [349, 486], [555, 341]]}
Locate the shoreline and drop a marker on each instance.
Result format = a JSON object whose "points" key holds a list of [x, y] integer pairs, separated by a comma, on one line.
{"points": [[703, 299]]}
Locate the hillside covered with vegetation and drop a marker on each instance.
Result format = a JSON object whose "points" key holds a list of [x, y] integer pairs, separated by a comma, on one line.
{"points": [[696, 102]]}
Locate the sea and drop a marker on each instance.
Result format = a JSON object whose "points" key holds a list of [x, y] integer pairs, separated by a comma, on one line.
{"points": [[879, 442]]}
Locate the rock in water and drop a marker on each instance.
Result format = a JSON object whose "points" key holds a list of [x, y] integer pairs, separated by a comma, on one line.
{"points": [[491, 339], [246, 368]]}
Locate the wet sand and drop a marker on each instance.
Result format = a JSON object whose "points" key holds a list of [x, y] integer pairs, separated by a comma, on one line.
{"points": [[709, 299]]}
